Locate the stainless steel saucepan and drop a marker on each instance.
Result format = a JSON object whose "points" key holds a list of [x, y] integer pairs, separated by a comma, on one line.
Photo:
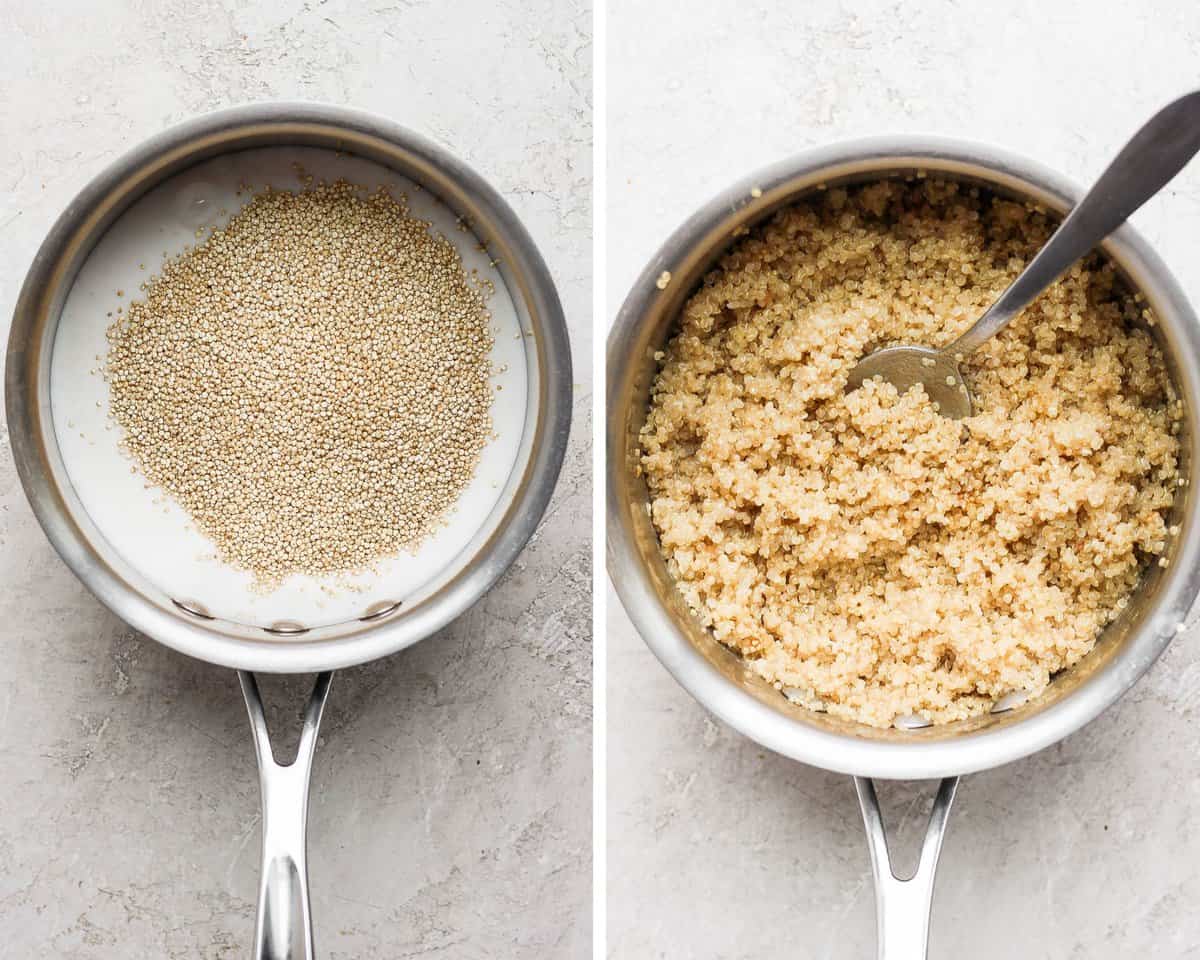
{"points": [[142, 560], [721, 681]]}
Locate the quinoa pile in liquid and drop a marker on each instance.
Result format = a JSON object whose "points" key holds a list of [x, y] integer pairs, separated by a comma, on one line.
{"points": [[866, 555], [310, 382]]}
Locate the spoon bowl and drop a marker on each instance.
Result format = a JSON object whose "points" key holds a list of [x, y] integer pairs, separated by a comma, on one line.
{"points": [[906, 366], [1145, 165]]}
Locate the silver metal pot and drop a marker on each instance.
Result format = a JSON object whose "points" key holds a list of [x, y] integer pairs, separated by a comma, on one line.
{"points": [[720, 680], [284, 927]]}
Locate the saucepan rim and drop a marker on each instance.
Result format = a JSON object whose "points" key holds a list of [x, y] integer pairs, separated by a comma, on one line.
{"points": [[659, 614], [27, 397]]}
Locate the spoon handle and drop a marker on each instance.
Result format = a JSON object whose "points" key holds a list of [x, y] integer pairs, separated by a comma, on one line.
{"points": [[1145, 165]]}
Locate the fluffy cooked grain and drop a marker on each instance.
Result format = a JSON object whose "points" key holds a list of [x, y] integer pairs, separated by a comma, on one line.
{"points": [[310, 383], [867, 555]]}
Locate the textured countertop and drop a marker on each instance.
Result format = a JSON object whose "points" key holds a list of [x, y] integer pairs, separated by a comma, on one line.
{"points": [[451, 790], [721, 850]]}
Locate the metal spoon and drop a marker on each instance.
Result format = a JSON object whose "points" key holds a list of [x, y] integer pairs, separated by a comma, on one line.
{"points": [[1157, 152]]}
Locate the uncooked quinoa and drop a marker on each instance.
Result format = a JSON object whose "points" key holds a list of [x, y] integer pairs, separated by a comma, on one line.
{"points": [[310, 382], [868, 556]]}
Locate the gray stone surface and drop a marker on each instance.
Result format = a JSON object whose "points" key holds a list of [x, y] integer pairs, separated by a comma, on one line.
{"points": [[718, 849], [451, 795]]}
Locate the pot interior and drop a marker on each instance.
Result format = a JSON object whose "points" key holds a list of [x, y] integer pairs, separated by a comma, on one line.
{"points": [[143, 562], [1122, 652]]}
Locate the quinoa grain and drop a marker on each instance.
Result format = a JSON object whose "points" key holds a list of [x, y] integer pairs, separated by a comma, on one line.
{"points": [[865, 554], [310, 382]]}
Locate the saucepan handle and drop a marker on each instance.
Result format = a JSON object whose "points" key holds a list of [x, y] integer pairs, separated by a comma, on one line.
{"points": [[902, 906], [283, 930]]}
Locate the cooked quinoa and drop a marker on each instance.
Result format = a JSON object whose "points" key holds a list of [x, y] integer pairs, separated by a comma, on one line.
{"points": [[866, 555]]}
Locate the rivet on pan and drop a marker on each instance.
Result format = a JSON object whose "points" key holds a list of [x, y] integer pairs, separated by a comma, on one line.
{"points": [[911, 723], [806, 698], [1010, 701], [377, 611], [192, 607], [286, 628]]}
